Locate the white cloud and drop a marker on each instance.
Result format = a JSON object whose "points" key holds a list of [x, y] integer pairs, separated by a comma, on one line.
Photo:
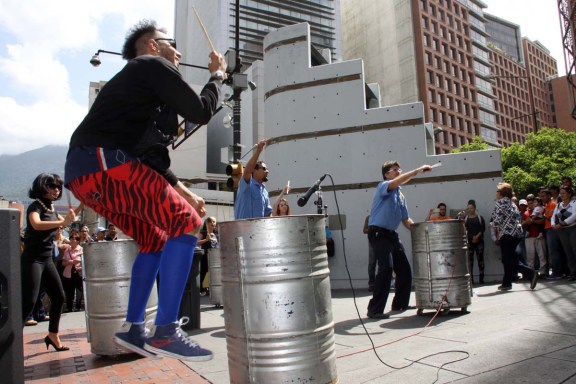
{"points": [[42, 45], [26, 127]]}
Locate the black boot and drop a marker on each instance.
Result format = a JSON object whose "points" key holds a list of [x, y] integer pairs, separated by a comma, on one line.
{"points": [[481, 278]]}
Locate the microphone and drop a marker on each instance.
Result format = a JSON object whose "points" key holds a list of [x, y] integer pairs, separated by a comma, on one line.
{"points": [[304, 199]]}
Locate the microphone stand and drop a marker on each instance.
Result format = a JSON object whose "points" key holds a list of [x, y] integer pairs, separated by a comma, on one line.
{"points": [[320, 208]]}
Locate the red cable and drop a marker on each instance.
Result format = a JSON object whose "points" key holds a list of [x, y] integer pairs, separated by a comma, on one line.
{"points": [[414, 334]]}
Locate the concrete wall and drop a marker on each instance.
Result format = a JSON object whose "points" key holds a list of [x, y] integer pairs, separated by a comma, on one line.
{"points": [[317, 123]]}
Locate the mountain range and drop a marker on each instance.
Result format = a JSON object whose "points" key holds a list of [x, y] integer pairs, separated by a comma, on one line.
{"points": [[19, 171]]}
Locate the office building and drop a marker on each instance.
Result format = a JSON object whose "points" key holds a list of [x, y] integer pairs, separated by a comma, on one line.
{"points": [[441, 52], [257, 19]]}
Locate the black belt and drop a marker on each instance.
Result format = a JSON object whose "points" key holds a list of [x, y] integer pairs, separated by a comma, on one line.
{"points": [[375, 231], [376, 228]]}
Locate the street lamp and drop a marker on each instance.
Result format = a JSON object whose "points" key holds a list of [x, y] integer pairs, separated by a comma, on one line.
{"points": [[530, 91], [95, 60]]}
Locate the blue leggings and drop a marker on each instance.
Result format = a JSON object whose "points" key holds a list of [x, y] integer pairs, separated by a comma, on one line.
{"points": [[173, 264]]}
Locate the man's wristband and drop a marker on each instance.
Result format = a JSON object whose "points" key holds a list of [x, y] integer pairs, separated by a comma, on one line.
{"points": [[218, 75]]}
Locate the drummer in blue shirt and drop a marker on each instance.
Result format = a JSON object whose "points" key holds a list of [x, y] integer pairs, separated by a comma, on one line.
{"points": [[252, 200], [388, 211]]}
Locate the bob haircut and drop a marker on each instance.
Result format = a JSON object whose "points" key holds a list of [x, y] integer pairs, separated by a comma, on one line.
{"points": [[505, 190], [40, 185]]}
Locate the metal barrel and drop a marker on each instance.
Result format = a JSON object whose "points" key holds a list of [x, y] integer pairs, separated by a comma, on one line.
{"points": [[440, 264], [215, 270], [277, 300], [107, 270]]}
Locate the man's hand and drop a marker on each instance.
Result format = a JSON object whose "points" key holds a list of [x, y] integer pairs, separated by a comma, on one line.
{"points": [[194, 200], [217, 62], [424, 168], [261, 145]]}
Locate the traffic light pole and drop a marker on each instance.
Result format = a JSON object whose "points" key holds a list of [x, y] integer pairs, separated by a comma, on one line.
{"points": [[236, 148]]}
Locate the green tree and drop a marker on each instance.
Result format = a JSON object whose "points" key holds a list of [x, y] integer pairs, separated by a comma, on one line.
{"points": [[543, 159], [477, 144]]}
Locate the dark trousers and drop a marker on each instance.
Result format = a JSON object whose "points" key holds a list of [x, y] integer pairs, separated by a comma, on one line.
{"points": [[371, 266], [511, 262], [73, 286], [556, 253], [42, 272], [478, 249], [203, 268], [390, 255]]}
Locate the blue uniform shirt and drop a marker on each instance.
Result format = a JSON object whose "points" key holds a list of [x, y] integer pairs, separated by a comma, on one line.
{"points": [[252, 200], [388, 207]]}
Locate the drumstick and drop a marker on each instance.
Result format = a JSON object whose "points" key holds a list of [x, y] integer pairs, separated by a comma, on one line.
{"points": [[203, 29], [69, 199]]}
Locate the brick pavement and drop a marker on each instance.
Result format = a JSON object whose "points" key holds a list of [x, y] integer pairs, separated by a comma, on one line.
{"points": [[79, 365]]}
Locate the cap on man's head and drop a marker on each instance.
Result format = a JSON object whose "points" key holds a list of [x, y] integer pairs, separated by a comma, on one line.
{"points": [[522, 202], [100, 229]]}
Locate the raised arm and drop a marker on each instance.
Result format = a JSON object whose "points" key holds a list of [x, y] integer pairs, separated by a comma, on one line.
{"points": [[403, 178], [253, 160]]}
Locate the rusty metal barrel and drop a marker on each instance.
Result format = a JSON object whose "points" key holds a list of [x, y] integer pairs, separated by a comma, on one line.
{"points": [[277, 300], [107, 269], [440, 265], [215, 270]]}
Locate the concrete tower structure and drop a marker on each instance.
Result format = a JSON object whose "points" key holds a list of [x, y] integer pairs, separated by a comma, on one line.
{"points": [[321, 120]]}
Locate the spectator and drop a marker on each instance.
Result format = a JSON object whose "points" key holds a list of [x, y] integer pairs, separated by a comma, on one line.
{"points": [[564, 222], [100, 234], [555, 192], [440, 213], [281, 206], [111, 236], [555, 254], [72, 274], [206, 240], [85, 235], [506, 220], [475, 227], [533, 224]]}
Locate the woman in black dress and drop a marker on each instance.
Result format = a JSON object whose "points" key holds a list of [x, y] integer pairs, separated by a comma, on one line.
{"points": [[38, 269]]}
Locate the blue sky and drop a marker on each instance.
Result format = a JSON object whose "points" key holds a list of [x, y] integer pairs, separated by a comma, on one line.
{"points": [[45, 48]]}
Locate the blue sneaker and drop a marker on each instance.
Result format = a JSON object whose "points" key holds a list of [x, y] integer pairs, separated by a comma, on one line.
{"points": [[132, 337], [171, 341]]}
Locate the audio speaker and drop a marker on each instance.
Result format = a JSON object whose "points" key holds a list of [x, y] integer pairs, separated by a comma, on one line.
{"points": [[11, 350]]}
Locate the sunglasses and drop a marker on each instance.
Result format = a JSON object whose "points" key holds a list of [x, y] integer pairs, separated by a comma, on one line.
{"points": [[77, 238], [172, 42], [54, 186], [283, 205]]}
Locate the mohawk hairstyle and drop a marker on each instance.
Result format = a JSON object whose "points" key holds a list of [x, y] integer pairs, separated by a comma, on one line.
{"points": [[144, 27]]}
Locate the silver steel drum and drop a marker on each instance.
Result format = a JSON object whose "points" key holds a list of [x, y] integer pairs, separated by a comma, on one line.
{"points": [[440, 265], [107, 269], [215, 270], [277, 300]]}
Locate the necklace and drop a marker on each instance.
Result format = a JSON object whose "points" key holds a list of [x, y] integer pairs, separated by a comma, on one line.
{"points": [[51, 210]]}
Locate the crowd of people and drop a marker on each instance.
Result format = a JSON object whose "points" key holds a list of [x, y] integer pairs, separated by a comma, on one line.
{"points": [[548, 239]]}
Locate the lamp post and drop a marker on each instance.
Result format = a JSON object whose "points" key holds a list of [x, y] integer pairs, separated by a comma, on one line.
{"points": [[531, 93], [95, 60]]}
